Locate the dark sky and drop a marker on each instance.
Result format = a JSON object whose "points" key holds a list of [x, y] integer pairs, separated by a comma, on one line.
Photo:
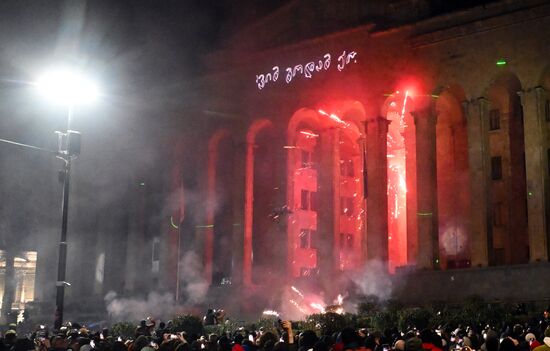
{"points": [[136, 44], [168, 34], [141, 53]]}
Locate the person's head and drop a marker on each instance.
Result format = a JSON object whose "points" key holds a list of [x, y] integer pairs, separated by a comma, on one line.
{"points": [[182, 347], [320, 346], [238, 339], [23, 345], [10, 336], [507, 345], [546, 312], [426, 336], [140, 342], [348, 336], [119, 346], [59, 343], [517, 331], [413, 344], [267, 337], [307, 339], [399, 345]]}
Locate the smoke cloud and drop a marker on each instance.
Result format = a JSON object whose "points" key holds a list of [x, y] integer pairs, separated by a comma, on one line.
{"points": [[133, 309], [192, 279], [374, 280]]}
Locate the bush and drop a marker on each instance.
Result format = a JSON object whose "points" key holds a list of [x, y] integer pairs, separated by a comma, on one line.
{"points": [[419, 318], [188, 323], [329, 323], [125, 330]]}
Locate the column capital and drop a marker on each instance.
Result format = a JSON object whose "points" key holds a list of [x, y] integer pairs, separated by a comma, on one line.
{"points": [[377, 124], [539, 92], [480, 102], [427, 115], [377, 119]]}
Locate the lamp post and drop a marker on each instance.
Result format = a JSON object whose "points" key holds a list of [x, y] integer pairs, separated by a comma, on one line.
{"points": [[68, 88]]}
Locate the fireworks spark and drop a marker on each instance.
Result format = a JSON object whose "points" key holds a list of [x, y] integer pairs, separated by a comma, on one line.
{"points": [[271, 313], [318, 307], [297, 291]]}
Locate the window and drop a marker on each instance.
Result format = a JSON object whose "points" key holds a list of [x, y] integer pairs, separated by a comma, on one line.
{"points": [[346, 206], [498, 214], [309, 272], [494, 119], [496, 168], [307, 239], [304, 202], [346, 168], [155, 255], [307, 159], [346, 241], [308, 201], [499, 256]]}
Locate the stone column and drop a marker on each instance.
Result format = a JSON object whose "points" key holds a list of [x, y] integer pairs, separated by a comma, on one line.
{"points": [[375, 245], [426, 172], [329, 205], [248, 214], [412, 227], [536, 163], [238, 202], [10, 284], [479, 163]]}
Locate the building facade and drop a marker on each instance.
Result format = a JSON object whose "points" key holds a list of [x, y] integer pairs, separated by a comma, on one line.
{"points": [[415, 138]]}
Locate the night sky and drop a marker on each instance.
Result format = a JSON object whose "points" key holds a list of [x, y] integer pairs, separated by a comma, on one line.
{"points": [[142, 54]]}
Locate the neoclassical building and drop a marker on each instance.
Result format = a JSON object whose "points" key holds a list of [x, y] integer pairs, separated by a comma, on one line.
{"points": [[413, 133]]}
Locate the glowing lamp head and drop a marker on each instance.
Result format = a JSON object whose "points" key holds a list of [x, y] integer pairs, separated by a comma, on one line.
{"points": [[67, 87]]}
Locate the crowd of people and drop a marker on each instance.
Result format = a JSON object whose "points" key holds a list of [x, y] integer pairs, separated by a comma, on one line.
{"points": [[149, 336]]}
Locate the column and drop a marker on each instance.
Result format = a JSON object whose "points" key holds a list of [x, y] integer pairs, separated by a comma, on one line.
{"points": [[248, 214], [410, 163], [375, 245], [238, 203], [479, 163], [535, 166], [329, 205], [10, 284], [426, 172]]}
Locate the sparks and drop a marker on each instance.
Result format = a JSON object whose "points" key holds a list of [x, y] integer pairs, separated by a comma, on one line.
{"points": [[333, 117], [309, 134], [318, 307], [297, 291], [300, 308], [271, 313], [404, 104]]}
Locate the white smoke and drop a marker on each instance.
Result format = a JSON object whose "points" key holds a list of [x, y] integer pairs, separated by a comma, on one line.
{"points": [[192, 278], [134, 309], [374, 280]]}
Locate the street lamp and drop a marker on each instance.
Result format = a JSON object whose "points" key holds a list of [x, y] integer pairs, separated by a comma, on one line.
{"points": [[68, 88]]}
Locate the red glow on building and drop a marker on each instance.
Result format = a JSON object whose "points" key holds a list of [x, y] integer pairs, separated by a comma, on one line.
{"points": [[397, 180]]}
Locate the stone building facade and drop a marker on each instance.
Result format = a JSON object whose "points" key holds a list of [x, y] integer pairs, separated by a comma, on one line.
{"points": [[337, 133]]}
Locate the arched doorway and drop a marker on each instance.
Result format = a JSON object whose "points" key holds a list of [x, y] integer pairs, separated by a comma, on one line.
{"points": [[219, 208], [263, 248], [453, 195], [401, 175], [508, 240], [302, 193]]}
